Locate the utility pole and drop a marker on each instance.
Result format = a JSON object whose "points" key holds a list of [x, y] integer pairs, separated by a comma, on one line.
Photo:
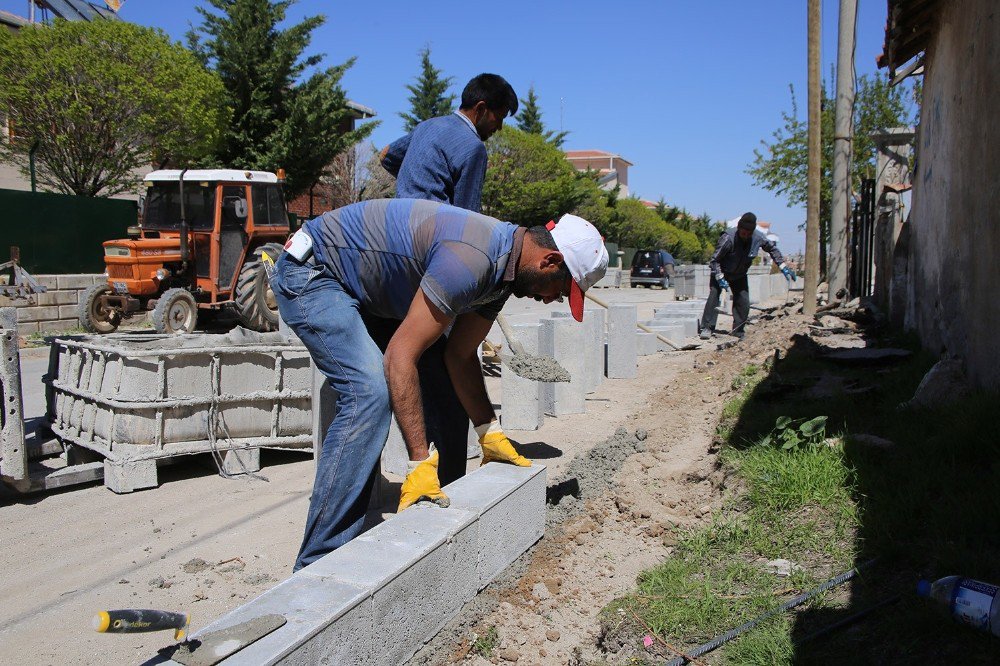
{"points": [[842, 143], [812, 194]]}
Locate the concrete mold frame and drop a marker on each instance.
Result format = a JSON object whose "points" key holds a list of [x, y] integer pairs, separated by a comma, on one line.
{"points": [[136, 399]]}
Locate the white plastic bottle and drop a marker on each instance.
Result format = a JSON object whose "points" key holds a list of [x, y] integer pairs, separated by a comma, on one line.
{"points": [[970, 601]]}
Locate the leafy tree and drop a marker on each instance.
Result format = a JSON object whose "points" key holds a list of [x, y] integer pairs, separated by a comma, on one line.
{"points": [[279, 118], [357, 175], [427, 95], [528, 180], [101, 100], [781, 165], [529, 120]]}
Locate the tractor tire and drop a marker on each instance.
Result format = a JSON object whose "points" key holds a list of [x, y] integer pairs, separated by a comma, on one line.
{"points": [[176, 312], [93, 317], [255, 304]]}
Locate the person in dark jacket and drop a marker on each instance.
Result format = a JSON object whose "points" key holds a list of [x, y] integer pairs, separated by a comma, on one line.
{"points": [[734, 253]]}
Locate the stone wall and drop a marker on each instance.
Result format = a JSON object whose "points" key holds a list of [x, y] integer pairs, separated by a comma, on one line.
{"points": [[954, 227], [56, 309]]}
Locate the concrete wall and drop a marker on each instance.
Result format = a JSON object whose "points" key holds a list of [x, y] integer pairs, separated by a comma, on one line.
{"points": [[56, 309], [954, 235]]}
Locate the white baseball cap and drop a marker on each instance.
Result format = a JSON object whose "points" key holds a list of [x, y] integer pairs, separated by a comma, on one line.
{"points": [[583, 250]]}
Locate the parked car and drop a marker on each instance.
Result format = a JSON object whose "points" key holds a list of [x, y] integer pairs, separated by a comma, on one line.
{"points": [[652, 267]]}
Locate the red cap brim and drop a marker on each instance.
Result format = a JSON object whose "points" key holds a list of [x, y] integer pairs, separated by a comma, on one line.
{"points": [[576, 300]]}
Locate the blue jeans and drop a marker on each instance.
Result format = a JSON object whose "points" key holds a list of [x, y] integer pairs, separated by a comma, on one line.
{"points": [[347, 346]]}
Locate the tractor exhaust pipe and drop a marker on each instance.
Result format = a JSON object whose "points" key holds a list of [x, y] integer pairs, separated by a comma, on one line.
{"points": [[185, 252]]}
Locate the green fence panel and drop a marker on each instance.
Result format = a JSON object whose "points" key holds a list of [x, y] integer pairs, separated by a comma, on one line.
{"points": [[628, 256], [60, 233]]}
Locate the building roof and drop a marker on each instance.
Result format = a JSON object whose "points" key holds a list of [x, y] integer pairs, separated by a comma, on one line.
{"points": [[594, 154], [228, 175], [907, 32], [13, 20], [360, 111]]}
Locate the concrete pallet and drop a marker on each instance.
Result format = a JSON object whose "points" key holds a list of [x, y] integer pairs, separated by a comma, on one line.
{"points": [[380, 597], [141, 398]]}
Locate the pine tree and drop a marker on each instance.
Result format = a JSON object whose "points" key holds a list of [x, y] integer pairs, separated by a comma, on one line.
{"points": [[427, 95], [279, 119], [529, 120]]}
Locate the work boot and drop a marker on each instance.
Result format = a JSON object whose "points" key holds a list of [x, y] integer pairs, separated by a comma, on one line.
{"points": [[705, 334]]}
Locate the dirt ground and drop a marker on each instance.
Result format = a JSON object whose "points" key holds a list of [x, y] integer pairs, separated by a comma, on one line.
{"points": [[663, 478], [203, 544]]}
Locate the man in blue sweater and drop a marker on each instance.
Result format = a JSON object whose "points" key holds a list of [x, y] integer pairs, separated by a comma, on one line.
{"points": [[444, 159]]}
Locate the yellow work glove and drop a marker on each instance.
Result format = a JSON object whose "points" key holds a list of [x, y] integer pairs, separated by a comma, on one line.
{"points": [[496, 446], [422, 483]]}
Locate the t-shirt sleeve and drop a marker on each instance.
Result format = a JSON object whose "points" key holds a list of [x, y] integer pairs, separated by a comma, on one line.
{"points": [[492, 309], [456, 275]]}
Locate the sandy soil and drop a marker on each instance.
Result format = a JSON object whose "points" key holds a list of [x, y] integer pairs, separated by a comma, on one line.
{"points": [[203, 544]]}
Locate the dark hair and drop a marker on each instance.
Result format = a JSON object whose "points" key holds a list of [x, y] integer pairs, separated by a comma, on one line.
{"points": [[492, 89], [543, 238]]}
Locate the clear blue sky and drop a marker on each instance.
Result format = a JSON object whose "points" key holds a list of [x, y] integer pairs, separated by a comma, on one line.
{"points": [[683, 89]]}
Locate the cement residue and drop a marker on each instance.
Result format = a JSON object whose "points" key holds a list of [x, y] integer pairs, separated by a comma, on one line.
{"points": [[237, 337], [592, 474], [537, 368], [588, 476]]}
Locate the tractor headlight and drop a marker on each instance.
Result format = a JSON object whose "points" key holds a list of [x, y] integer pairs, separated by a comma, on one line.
{"points": [[162, 274]]}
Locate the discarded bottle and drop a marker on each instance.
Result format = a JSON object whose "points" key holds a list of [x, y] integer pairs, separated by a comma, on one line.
{"points": [[970, 601]]}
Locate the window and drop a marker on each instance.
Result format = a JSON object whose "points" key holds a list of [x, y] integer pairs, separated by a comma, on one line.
{"points": [[163, 206]]}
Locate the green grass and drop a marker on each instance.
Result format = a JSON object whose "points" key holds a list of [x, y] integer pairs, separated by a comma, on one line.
{"points": [[485, 645], [927, 507]]}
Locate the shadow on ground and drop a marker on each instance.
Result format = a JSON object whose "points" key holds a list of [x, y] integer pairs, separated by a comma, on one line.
{"points": [[927, 498]]}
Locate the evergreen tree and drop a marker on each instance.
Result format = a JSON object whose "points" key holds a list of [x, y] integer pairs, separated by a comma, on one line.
{"points": [[279, 118], [427, 95], [529, 120]]}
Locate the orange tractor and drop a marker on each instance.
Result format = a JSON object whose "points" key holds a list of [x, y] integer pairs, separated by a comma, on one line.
{"points": [[199, 248]]}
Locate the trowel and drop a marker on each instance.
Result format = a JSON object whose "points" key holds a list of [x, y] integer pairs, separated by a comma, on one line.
{"points": [[536, 368], [212, 647]]}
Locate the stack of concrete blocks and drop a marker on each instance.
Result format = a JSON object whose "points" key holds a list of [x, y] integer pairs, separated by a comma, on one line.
{"points": [[594, 323], [380, 597], [692, 281], [136, 401], [622, 350], [521, 405], [56, 309], [563, 339]]}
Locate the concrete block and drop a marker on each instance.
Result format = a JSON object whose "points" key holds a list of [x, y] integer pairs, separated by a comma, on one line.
{"points": [[621, 349], [27, 327], [328, 622], [594, 324], [673, 332], [48, 281], [69, 312], [646, 343], [562, 339], [58, 326], [521, 399], [35, 313], [510, 503], [377, 599], [125, 477], [58, 297], [75, 281], [688, 323], [241, 461]]}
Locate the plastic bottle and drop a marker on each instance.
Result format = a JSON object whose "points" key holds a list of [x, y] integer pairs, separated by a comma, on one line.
{"points": [[970, 601]]}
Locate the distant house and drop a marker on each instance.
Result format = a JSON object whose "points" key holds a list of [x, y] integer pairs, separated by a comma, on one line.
{"points": [[612, 169]]}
